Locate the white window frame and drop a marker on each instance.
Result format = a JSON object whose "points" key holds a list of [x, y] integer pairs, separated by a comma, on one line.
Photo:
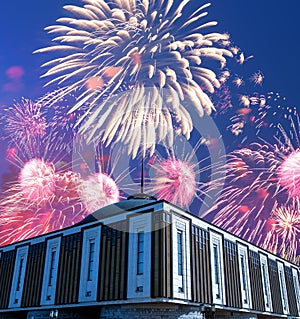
{"points": [[266, 283], [88, 288], [218, 290], [18, 278], [48, 292], [283, 290], [139, 284], [245, 291], [181, 283], [296, 287]]}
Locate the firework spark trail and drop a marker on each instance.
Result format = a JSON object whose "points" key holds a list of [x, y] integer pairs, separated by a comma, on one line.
{"points": [[251, 192], [40, 201], [175, 181], [97, 191], [25, 121], [133, 46], [45, 193], [262, 179], [284, 234]]}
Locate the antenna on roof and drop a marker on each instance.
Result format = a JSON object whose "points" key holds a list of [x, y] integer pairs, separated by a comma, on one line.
{"points": [[142, 195]]}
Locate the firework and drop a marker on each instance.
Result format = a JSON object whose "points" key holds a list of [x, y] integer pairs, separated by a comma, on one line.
{"points": [[182, 174], [108, 48], [22, 218], [37, 179], [289, 173], [175, 181], [53, 191], [283, 236], [25, 121], [250, 192], [259, 188], [97, 191], [257, 78]]}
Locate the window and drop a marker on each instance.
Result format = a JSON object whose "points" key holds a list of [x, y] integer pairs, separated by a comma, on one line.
{"points": [[91, 260], [140, 253], [52, 267], [216, 269], [266, 284], [283, 291], [50, 271], [139, 256], [297, 289], [18, 277], [244, 276], [20, 274], [244, 282], [179, 252]]}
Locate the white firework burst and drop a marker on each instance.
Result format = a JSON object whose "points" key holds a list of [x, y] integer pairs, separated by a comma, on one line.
{"points": [[141, 47]]}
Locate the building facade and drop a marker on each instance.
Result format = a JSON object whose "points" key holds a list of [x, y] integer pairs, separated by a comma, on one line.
{"points": [[145, 259]]}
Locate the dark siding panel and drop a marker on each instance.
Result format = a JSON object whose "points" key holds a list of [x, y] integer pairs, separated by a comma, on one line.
{"points": [[69, 269], [7, 263], [161, 270], [232, 275], [113, 262], [256, 282], [34, 275], [275, 287], [122, 294], [201, 271], [291, 291]]}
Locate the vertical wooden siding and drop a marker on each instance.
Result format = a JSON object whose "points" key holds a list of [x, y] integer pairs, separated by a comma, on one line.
{"points": [[291, 291], [161, 252], [69, 269], [256, 282], [201, 269], [7, 263], [275, 287], [113, 262], [232, 275], [34, 275]]}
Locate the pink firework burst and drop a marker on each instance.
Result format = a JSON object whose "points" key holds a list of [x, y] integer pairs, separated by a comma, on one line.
{"points": [[175, 181], [289, 173], [25, 120], [23, 217], [250, 194], [97, 191], [37, 180]]}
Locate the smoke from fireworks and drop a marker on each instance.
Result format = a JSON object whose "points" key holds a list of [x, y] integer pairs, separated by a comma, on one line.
{"points": [[133, 46]]}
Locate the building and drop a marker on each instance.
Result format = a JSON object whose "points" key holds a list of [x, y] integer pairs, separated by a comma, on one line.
{"points": [[143, 258]]}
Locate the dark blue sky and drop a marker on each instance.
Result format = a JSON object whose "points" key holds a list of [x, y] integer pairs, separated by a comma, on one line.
{"points": [[263, 28]]}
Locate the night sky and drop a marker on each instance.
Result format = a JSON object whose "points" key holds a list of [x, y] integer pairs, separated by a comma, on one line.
{"points": [[259, 28]]}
